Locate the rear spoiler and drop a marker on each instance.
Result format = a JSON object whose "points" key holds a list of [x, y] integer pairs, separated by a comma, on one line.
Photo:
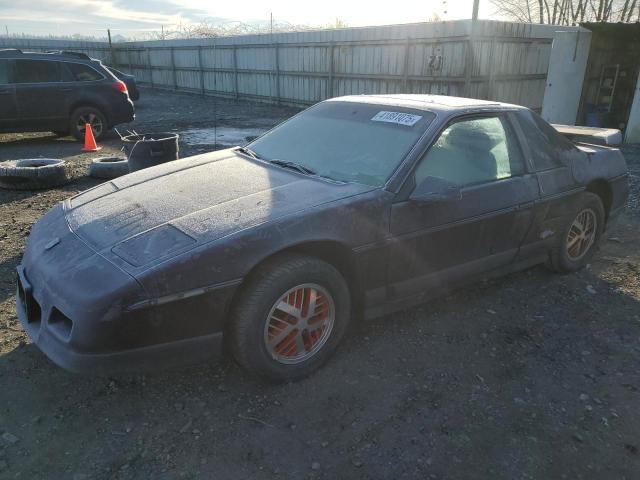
{"points": [[600, 136]]}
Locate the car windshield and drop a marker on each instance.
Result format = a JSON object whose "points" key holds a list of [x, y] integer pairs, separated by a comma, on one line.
{"points": [[346, 141]]}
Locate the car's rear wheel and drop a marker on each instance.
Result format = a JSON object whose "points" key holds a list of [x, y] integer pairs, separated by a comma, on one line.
{"points": [[577, 243], [94, 117], [290, 317]]}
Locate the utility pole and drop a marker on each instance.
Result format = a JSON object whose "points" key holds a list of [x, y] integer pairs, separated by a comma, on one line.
{"points": [[476, 5], [271, 23], [6, 27]]}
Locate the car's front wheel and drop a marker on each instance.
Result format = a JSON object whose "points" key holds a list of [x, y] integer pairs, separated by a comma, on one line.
{"points": [[290, 317], [88, 115]]}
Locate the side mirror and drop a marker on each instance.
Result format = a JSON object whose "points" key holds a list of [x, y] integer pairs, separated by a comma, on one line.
{"points": [[435, 189]]}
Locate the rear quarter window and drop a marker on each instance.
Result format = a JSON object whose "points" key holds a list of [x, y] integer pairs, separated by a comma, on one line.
{"points": [[84, 73], [547, 146], [35, 71]]}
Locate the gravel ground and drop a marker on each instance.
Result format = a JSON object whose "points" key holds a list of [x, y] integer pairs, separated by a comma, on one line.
{"points": [[534, 375]]}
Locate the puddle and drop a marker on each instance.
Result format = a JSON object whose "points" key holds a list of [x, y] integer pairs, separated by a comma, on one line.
{"points": [[222, 136]]}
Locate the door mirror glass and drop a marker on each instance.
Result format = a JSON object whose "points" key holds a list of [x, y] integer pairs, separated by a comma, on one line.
{"points": [[435, 189]]}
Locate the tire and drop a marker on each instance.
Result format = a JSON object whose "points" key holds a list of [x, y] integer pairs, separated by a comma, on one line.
{"points": [[108, 167], [256, 318], [33, 174], [571, 253], [81, 116]]}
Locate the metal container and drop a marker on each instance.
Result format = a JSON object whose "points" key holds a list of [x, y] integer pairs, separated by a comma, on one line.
{"points": [[149, 149]]}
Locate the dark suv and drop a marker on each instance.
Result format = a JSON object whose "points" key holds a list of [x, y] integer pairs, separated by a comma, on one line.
{"points": [[60, 92]]}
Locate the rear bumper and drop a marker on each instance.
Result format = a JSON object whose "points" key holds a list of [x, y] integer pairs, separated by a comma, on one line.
{"points": [[122, 112]]}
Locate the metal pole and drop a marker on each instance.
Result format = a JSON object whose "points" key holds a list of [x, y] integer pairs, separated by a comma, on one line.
{"points": [[150, 67], [113, 59], [173, 69], [476, 6], [405, 73], [201, 70], [331, 71], [277, 50], [235, 71]]}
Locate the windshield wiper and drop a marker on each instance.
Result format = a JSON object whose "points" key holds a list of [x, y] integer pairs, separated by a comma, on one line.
{"points": [[248, 151], [293, 166]]}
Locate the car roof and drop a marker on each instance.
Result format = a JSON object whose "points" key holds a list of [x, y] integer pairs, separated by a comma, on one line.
{"points": [[15, 53], [424, 102]]}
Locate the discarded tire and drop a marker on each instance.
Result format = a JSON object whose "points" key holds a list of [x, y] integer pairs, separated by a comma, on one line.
{"points": [[33, 174], [109, 167]]}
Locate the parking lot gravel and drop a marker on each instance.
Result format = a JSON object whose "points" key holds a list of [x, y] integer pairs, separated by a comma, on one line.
{"points": [[534, 375]]}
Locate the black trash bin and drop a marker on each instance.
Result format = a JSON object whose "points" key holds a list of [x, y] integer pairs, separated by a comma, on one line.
{"points": [[148, 149]]}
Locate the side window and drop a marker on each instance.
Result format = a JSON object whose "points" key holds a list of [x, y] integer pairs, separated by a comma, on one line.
{"points": [[83, 73], [65, 72], [473, 151], [547, 145], [35, 71], [4, 72]]}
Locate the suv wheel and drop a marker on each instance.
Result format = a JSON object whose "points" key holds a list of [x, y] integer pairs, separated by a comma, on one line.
{"points": [[83, 115], [290, 317]]}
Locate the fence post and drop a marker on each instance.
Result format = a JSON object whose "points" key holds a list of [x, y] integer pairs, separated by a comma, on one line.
{"points": [[405, 73], [277, 51], [491, 68], [468, 66], [331, 71], [150, 66], [235, 71], [173, 69], [201, 70]]}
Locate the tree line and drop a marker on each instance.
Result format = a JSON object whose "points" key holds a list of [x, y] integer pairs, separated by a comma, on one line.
{"points": [[569, 12]]}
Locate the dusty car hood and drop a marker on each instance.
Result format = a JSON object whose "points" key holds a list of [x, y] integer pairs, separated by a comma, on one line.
{"points": [[166, 210]]}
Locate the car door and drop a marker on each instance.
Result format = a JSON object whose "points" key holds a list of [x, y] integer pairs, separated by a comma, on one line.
{"points": [[438, 243], [8, 110], [40, 95]]}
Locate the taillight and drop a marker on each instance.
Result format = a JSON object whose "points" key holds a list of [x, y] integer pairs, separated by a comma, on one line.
{"points": [[120, 86]]}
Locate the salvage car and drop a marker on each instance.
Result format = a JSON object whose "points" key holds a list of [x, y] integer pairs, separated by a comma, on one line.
{"points": [[358, 206], [60, 92]]}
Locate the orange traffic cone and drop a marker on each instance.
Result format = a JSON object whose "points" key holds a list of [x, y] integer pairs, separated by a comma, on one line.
{"points": [[89, 142]]}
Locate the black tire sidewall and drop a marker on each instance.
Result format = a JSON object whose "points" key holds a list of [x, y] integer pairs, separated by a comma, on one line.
{"points": [[561, 260], [77, 113], [259, 296]]}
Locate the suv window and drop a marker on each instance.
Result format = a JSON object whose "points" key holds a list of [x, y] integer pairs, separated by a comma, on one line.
{"points": [[83, 73], [473, 151], [4, 72], [35, 71], [548, 147]]}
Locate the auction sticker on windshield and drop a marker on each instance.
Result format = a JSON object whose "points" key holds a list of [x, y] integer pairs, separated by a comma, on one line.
{"points": [[399, 118]]}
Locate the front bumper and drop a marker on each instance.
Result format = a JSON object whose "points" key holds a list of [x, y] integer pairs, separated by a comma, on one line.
{"points": [[153, 357], [54, 337], [75, 306]]}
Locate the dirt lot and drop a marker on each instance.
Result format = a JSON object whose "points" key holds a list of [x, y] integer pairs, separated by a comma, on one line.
{"points": [[534, 375]]}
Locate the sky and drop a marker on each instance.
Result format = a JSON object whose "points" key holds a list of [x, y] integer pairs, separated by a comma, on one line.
{"points": [[132, 18]]}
